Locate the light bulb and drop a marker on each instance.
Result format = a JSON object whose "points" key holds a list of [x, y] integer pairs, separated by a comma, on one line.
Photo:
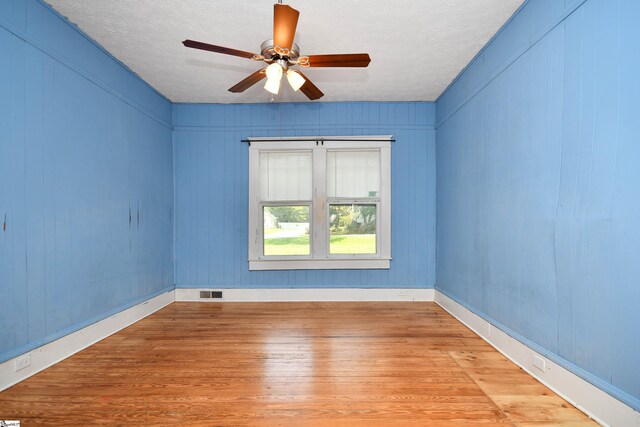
{"points": [[274, 72], [272, 85], [295, 80]]}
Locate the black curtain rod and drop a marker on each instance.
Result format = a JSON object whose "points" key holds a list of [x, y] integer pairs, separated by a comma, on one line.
{"points": [[318, 140]]}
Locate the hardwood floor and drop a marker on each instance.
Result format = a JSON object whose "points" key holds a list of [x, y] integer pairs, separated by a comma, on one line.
{"points": [[274, 364]]}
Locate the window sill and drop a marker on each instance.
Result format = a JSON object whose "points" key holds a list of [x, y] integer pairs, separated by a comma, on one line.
{"points": [[319, 264]]}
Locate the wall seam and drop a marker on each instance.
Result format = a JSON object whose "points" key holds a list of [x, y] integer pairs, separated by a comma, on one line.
{"points": [[507, 64], [481, 51], [87, 75], [99, 46]]}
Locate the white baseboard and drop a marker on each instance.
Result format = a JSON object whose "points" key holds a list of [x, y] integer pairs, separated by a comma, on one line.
{"points": [[58, 350], [597, 404], [310, 294]]}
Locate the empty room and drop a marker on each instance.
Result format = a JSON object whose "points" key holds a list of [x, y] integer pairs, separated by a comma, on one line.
{"points": [[313, 213]]}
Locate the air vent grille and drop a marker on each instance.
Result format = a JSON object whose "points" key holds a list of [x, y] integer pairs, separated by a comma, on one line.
{"points": [[210, 294]]}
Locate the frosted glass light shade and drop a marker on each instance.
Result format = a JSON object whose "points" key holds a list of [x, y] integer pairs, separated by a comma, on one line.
{"points": [[295, 80], [274, 71], [273, 86]]}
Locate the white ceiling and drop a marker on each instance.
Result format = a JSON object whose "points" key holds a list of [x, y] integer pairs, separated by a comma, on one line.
{"points": [[417, 47]]}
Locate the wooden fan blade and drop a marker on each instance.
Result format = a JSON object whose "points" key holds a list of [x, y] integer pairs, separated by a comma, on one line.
{"points": [[340, 60], [249, 81], [218, 49], [285, 21], [309, 88]]}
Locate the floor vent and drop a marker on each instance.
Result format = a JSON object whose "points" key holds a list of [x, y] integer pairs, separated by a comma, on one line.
{"points": [[210, 294]]}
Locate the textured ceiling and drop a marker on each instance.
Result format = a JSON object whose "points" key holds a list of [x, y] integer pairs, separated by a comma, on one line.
{"points": [[417, 47]]}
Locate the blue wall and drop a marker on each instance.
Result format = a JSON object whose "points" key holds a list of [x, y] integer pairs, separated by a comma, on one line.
{"points": [[538, 186], [538, 195], [212, 182], [82, 142]]}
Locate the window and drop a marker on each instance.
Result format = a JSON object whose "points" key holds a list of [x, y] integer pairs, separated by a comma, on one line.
{"points": [[319, 203]]}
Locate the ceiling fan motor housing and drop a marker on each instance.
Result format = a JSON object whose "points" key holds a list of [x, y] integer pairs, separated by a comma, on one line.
{"points": [[271, 52]]}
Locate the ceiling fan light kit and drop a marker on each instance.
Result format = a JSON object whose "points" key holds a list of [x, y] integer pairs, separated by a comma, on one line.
{"points": [[273, 86], [281, 53], [274, 71], [295, 80]]}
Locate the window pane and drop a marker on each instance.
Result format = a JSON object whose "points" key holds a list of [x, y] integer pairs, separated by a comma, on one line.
{"points": [[285, 175], [286, 230], [353, 173], [353, 229]]}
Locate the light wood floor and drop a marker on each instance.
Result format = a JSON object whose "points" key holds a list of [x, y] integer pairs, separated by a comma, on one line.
{"points": [[289, 364]]}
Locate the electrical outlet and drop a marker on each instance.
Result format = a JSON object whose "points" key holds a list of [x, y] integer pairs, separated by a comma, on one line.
{"points": [[539, 362], [22, 362]]}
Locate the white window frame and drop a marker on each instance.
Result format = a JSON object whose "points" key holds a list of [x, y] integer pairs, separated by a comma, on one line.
{"points": [[320, 258]]}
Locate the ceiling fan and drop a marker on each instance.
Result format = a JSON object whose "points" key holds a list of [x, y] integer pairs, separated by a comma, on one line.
{"points": [[282, 54]]}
